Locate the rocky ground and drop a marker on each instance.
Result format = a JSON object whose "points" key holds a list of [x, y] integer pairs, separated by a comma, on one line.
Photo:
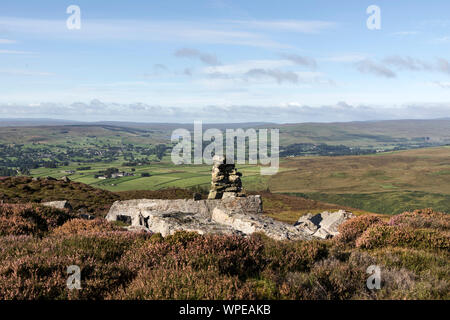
{"points": [[239, 215]]}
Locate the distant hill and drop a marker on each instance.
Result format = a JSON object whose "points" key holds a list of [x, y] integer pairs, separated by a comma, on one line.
{"points": [[26, 122], [368, 133], [365, 134], [29, 122]]}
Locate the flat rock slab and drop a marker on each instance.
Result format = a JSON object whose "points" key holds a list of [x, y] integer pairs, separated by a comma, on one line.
{"points": [[202, 208], [249, 223], [64, 204], [323, 225], [231, 216], [169, 223]]}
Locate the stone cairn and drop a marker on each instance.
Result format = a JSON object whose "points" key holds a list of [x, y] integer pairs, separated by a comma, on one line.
{"points": [[225, 180]]}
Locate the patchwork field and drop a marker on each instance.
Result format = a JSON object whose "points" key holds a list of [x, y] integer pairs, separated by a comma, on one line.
{"points": [[162, 175]]}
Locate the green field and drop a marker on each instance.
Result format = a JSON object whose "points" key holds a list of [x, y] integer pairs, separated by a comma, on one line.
{"points": [[162, 175]]}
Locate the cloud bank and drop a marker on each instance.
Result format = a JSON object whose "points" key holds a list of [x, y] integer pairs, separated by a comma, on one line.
{"points": [[190, 53], [97, 110], [383, 68]]}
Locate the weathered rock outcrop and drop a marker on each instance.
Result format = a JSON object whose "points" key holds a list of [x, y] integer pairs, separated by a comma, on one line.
{"points": [[249, 223], [64, 204], [201, 208], [168, 216], [323, 225], [227, 211], [169, 223], [238, 216]]}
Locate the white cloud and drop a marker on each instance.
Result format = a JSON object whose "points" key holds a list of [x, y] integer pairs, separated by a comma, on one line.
{"points": [[212, 32], [25, 73], [301, 26], [432, 23], [279, 75], [408, 63], [7, 41], [242, 67], [15, 52], [405, 33], [290, 112], [443, 65], [206, 58], [441, 84], [301, 60], [234, 32], [382, 68], [262, 71], [368, 66], [445, 39], [352, 57]]}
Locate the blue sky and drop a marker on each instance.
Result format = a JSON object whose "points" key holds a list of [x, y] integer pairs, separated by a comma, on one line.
{"points": [[222, 60]]}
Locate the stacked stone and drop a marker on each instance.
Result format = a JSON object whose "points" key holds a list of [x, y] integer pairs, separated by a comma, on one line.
{"points": [[225, 180]]}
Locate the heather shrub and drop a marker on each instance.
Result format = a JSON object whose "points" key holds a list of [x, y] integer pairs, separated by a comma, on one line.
{"points": [[429, 289], [192, 266], [266, 285], [421, 262], [116, 264], [231, 255], [428, 273], [351, 229], [157, 238], [284, 257], [378, 236], [297, 286], [334, 279], [426, 218], [187, 264], [403, 284], [34, 268], [81, 226], [16, 225], [181, 238], [327, 279], [104, 247], [396, 284], [11, 246], [185, 282], [35, 277], [33, 219], [362, 258]]}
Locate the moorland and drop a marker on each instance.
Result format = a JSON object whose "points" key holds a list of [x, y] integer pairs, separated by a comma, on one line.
{"points": [[381, 171]]}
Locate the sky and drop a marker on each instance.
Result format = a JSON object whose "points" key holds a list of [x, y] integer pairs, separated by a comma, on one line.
{"points": [[225, 60]]}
